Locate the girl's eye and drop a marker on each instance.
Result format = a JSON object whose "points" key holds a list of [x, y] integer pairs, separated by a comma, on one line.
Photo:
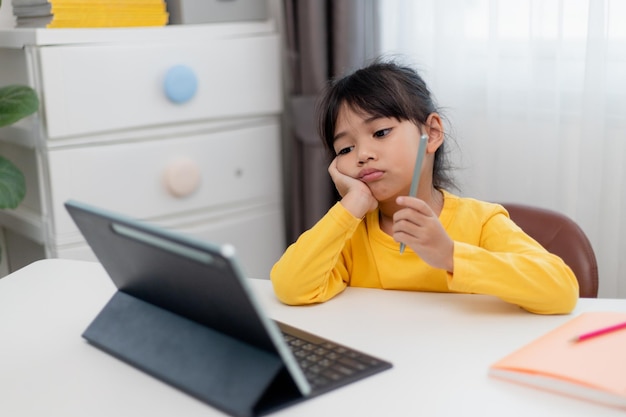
{"points": [[381, 133], [344, 151]]}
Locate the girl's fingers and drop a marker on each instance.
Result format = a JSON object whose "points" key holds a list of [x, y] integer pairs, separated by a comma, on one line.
{"points": [[412, 205]]}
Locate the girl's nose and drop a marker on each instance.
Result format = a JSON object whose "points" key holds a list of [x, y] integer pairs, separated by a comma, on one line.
{"points": [[366, 154]]}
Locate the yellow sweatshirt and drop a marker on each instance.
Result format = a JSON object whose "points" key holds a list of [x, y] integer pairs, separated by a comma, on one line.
{"points": [[492, 256]]}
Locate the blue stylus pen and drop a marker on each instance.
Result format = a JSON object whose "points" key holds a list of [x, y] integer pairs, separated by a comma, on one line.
{"points": [[416, 172]]}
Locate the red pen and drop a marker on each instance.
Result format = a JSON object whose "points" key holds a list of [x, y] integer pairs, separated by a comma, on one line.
{"points": [[600, 332]]}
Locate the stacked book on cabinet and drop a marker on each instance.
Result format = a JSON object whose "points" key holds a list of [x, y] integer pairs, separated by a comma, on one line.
{"points": [[89, 13]]}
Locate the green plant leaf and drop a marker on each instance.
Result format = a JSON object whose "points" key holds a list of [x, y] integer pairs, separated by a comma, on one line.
{"points": [[12, 185], [17, 102]]}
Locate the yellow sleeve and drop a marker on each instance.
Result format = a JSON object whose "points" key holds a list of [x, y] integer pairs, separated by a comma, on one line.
{"points": [[312, 270], [511, 265]]}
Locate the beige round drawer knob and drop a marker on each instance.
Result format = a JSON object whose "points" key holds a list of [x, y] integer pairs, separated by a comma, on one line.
{"points": [[182, 177]]}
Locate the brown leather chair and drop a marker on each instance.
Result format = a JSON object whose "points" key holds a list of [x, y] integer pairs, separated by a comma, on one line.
{"points": [[562, 236]]}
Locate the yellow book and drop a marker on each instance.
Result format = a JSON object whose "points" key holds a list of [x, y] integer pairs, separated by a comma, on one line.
{"points": [[593, 369], [104, 2], [101, 9], [93, 13], [109, 21]]}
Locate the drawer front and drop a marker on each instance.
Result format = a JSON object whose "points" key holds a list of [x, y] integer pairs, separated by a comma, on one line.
{"points": [[164, 178], [256, 233], [99, 88]]}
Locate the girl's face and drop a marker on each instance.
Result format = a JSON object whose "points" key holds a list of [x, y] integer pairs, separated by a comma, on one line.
{"points": [[380, 152]]}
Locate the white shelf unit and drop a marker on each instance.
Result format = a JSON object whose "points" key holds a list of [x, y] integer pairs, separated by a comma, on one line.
{"points": [[108, 134]]}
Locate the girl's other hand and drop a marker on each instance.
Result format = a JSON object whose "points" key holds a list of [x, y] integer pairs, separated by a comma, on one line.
{"points": [[418, 227], [356, 196]]}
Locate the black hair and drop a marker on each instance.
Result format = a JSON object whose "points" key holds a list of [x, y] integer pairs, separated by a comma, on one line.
{"points": [[382, 89]]}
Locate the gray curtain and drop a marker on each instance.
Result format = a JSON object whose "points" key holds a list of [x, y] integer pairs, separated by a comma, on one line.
{"points": [[325, 39]]}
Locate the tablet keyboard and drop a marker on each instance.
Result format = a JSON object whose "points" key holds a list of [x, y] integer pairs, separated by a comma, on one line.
{"points": [[327, 364]]}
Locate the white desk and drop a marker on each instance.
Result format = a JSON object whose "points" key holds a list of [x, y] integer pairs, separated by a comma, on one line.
{"points": [[440, 344]]}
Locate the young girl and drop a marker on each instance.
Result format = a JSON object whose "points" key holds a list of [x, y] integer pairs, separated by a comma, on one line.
{"points": [[371, 122]]}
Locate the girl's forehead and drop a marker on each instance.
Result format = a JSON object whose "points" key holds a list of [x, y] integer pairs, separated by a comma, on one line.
{"points": [[351, 114], [349, 118], [350, 111]]}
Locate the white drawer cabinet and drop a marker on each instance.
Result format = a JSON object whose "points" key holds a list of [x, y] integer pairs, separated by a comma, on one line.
{"points": [[178, 126]]}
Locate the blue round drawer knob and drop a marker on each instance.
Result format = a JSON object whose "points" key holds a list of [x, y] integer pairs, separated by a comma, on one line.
{"points": [[180, 84]]}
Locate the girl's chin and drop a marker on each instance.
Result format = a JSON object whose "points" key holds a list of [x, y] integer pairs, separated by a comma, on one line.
{"points": [[385, 194], [385, 197]]}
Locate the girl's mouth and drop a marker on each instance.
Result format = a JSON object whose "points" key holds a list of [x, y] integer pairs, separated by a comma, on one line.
{"points": [[369, 175]]}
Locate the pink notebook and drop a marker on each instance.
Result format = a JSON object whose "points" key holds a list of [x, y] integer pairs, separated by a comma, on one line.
{"points": [[593, 369]]}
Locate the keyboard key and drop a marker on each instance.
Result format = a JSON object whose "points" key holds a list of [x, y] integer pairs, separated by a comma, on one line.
{"points": [[326, 364]]}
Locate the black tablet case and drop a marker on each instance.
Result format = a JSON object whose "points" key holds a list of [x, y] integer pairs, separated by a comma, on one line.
{"points": [[222, 371], [233, 366]]}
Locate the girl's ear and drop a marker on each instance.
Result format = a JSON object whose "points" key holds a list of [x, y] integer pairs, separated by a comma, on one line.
{"points": [[434, 128]]}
